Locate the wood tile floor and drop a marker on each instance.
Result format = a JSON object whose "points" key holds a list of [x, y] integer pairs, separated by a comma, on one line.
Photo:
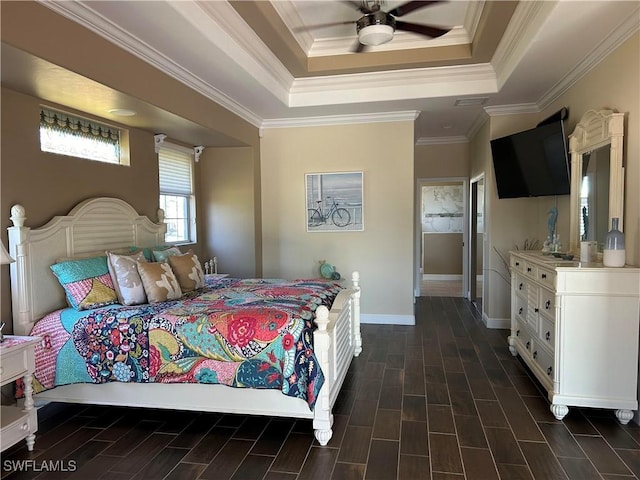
{"points": [[443, 400]]}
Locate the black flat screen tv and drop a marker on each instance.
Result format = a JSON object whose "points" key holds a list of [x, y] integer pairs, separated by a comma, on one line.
{"points": [[532, 163]]}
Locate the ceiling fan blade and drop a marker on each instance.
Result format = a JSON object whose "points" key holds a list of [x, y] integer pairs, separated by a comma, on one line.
{"points": [[321, 25], [426, 30], [410, 7]]}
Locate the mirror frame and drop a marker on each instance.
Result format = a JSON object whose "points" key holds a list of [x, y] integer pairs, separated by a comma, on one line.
{"points": [[597, 129]]}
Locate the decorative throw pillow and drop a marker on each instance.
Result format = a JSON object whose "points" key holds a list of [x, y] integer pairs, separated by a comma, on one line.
{"points": [[148, 251], [188, 271], [86, 282], [163, 255], [126, 279], [160, 284]]}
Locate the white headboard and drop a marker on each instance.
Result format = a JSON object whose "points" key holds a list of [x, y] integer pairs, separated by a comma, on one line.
{"points": [[94, 225]]}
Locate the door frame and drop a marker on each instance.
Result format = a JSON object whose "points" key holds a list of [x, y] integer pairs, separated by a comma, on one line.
{"points": [[420, 182], [473, 247]]}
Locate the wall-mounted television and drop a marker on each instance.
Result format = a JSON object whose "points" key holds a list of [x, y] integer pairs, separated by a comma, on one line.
{"points": [[532, 163]]}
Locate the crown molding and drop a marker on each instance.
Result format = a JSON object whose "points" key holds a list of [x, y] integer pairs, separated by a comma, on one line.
{"points": [[514, 109], [83, 14], [422, 141], [393, 85], [380, 117]]}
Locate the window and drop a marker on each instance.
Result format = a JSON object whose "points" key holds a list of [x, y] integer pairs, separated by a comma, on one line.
{"points": [[65, 134], [176, 192]]}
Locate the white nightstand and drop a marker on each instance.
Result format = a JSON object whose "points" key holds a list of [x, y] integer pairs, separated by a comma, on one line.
{"points": [[17, 360]]}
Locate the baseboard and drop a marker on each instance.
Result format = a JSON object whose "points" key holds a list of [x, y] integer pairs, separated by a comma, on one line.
{"points": [[497, 323], [382, 319]]}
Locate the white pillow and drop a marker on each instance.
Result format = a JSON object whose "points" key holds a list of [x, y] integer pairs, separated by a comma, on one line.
{"points": [[126, 279]]}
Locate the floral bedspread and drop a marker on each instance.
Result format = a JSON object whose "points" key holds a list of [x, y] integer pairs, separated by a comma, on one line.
{"points": [[244, 333]]}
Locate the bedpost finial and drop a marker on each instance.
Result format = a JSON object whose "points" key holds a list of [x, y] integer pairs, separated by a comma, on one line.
{"points": [[322, 317], [18, 215], [160, 215], [355, 278]]}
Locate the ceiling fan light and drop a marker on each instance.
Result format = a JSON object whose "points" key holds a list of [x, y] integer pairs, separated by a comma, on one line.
{"points": [[375, 34]]}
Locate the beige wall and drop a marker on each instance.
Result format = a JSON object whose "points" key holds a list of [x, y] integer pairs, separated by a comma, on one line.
{"points": [[46, 184], [442, 160], [228, 201], [442, 253], [383, 252]]}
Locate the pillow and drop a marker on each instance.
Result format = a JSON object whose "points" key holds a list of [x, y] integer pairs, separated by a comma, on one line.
{"points": [[148, 251], [162, 255], [187, 270], [126, 279], [160, 284], [86, 282]]}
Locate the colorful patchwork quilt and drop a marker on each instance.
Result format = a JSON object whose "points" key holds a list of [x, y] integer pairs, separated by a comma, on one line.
{"points": [[255, 333]]}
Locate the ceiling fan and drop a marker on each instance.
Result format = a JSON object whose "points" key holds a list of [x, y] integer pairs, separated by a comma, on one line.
{"points": [[376, 26]]}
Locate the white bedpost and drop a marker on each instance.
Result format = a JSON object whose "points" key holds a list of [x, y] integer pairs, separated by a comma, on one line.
{"points": [[322, 416], [20, 283], [357, 336]]}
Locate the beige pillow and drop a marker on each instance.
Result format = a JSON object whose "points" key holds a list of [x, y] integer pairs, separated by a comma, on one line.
{"points": [[160, 284], [126, 279], [187, 270]]}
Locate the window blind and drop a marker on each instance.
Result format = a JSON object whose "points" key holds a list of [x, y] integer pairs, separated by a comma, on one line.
{"points": [[175, 171]]}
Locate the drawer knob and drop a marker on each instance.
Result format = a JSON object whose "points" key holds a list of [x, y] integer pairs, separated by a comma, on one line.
{"points": [[517, 264], [528, 345], [520, 286], [547, 335], [518, 333], [528, 269], [544, 275], [535, 354], [547, 304], [549, 371], [24, 427], [520, 310], [536, 309]]}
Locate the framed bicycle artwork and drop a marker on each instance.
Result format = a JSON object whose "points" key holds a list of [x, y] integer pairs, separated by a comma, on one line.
{"points": [[334, 202]]}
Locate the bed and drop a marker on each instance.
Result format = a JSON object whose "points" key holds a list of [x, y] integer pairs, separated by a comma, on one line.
{"points": [[322, 322]]}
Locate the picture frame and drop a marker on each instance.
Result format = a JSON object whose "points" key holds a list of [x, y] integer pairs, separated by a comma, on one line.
{"points": [[334, 202]]}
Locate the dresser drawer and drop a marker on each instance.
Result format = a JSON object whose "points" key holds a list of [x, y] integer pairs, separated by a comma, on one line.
{"points": [[547, 333], [13, 365], [544, 360], [521, 284], [547, 302], [521, 309], [517, 264], [546, 277]]}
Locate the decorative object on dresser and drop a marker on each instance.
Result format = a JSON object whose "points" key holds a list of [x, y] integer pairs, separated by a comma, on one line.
{"points": [[613, 254], [576, 327], [17, 361]]}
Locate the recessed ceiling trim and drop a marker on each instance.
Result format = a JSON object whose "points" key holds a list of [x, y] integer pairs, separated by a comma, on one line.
{"points": [[523, 27], [392, 85], [401, 40], [84, 15], [381, 117]]}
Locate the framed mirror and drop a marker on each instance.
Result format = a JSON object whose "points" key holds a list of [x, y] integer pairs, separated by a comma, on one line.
{"points": [[597, 177]]}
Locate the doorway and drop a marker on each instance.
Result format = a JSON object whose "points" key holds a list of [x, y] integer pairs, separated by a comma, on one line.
{"points": [[476, 242], [441, 237]]}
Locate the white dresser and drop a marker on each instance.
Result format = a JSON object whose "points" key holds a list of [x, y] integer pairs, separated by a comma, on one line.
{"points": [[576, 327]]}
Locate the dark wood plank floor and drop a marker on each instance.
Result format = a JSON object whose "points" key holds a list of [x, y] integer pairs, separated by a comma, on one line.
{"points": [[443, 400]]}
